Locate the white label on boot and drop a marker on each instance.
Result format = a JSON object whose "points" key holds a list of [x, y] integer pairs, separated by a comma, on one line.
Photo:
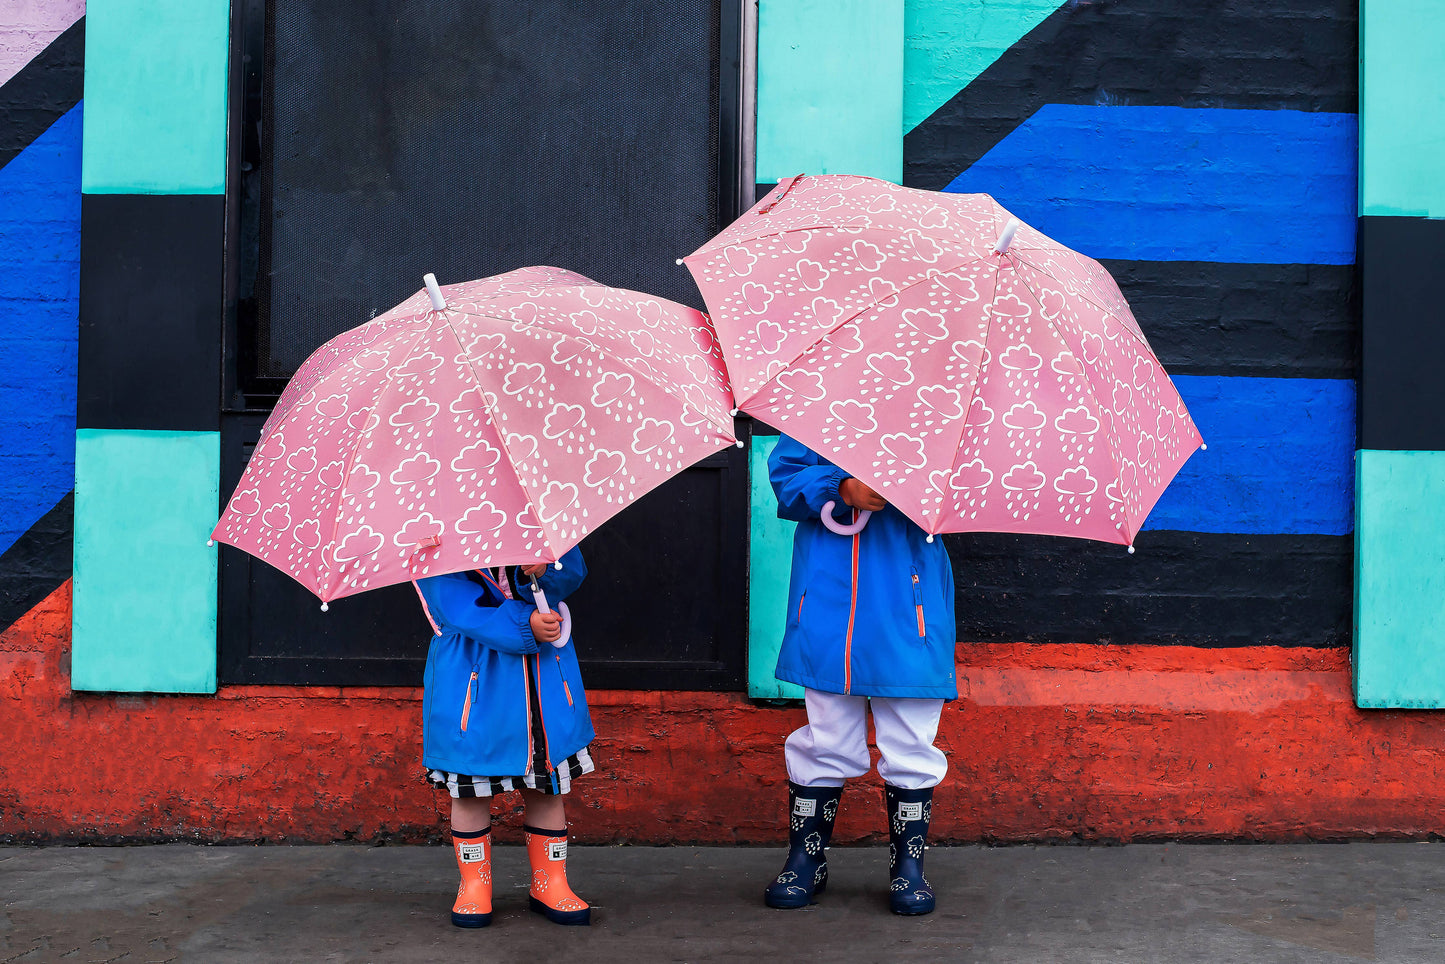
{"points": [[557, 850], [472, 852], [803, 807], [910, 811]]}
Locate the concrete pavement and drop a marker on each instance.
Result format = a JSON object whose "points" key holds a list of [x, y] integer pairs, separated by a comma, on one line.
{"points": [[1316, 903]]}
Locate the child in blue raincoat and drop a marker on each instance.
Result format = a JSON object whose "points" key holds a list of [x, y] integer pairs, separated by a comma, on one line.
{"points": [[870, 623], [503, 709]]}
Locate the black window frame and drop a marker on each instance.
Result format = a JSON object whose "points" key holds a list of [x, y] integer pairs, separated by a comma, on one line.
{"points": [[247, 399]]}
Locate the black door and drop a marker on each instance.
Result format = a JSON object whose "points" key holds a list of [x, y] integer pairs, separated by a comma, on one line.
{"points": [[377, 142]]}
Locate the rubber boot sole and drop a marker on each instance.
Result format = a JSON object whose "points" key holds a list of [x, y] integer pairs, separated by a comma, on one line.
{"points": [[793, 903], [911, 910], [471, 920], [577, 918]]}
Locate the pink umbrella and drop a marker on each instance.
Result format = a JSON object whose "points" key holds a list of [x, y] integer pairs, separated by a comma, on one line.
{"points": [[979, 375], [495, 422]]}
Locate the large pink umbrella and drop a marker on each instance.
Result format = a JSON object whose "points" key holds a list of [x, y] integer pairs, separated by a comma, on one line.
{"points": [[978, 374], [495, 422]]}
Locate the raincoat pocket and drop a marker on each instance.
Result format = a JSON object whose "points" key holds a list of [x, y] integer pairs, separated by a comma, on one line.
{"points": [[918, 603], [562, 677], [469, 701]]}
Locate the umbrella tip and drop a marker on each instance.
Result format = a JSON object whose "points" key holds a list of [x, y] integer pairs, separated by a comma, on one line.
{"points": [[1007, 238], [739, 443], [1203, 446], [433, 289], [679, 261], [734, 413], [930, 537], [558, 563], [325, 607], [1131, 550], [210, 542]]}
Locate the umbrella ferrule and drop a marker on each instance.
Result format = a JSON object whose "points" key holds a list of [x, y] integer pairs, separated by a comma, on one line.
{"points": [[1007, 238], [435, 291]]}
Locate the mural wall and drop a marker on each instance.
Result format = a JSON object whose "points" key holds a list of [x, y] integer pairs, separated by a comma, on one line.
{"points": [[1206, 152], [42, 47]]}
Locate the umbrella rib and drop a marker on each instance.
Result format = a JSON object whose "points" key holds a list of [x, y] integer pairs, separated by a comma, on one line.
{"points": [[870, 305], [1112, 314], [1094, 391], [978, 376], [727, 429], [482, 393], [365, 433]]}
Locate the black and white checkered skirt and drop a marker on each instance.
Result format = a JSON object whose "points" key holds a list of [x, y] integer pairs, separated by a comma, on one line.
{"points": [[557, 782]]}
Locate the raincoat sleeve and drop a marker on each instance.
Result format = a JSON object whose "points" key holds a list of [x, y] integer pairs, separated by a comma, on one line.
{"points": [[556, 583], [803, 481], [454, 602]]}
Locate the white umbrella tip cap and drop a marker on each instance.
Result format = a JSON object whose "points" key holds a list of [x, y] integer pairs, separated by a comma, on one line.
{"points": [[210, 542], [1007, 237], [1203, 446], [679, 261], [558, 564], [325, 607], [1131, 550], [435, 291]]}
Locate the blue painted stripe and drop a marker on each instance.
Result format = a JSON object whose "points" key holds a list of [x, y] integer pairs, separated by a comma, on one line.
{"points": [[1280, 457], [1181, 184], [39, 302]]}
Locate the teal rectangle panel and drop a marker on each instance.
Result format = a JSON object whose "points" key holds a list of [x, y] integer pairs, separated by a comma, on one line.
{"points": [[1399, 655], [830, 88], [145, 581], [155, 96], [1402, 108], [770, 562]]}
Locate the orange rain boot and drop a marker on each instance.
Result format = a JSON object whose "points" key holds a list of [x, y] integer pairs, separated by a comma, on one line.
{"points": [[473, 907], [551, 896]]}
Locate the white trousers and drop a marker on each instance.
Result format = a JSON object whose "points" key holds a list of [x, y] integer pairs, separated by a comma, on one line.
{"points": [[834, 745]]}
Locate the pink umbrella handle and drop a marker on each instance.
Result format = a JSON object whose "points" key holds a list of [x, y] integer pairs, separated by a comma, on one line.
{"points": [[833, 525], [541, 599]]}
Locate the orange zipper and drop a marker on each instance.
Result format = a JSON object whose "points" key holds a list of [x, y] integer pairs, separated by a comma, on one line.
{"points": [[565, 688], [918, 605], [800, 606], [852, 612], [467, 705]]}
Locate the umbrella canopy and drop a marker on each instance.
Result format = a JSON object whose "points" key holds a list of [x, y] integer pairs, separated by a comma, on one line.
{"points": [[497, 429], [978, 374]]}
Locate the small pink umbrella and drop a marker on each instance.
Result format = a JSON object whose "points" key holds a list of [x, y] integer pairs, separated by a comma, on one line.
{"points": [[979, 375], [495, 422]]}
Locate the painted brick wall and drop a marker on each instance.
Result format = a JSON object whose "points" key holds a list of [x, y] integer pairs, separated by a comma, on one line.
{"points": [[1207, 154], [41, 55], [1047, 743]]}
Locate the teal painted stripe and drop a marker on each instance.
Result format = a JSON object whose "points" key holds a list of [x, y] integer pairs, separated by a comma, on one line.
{"points": [[948, 44], [155, 96], [145, 582], [1399, 652], [830, 88], [1402, 108], [770, 562]]}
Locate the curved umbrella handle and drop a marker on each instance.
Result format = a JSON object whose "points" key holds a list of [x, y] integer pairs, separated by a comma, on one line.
{"points": [[833, 525], [542, 607]]}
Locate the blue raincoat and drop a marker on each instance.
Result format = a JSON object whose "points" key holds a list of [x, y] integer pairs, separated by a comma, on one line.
{"points": [[476, 715], [869, 614]]}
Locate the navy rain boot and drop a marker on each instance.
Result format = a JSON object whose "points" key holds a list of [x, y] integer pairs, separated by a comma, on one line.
{"points": [[811, 812], [909, 891]]}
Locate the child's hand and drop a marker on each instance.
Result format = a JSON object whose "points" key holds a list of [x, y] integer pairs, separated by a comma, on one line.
{"points": [[860, 496], [546, 627], [534, 571]]}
